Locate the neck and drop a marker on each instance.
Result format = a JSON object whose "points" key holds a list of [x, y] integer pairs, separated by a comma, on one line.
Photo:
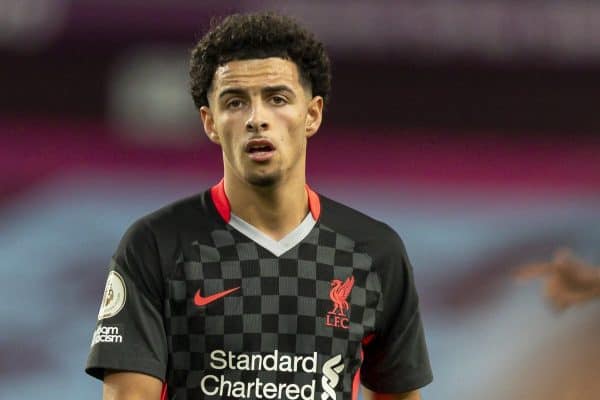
{"points": [[274, 210]]}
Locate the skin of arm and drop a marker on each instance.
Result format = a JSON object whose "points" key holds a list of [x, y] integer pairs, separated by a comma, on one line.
{"points": [[120, 385], [370, 395]]}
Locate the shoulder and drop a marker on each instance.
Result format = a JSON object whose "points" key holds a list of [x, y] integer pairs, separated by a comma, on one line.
{"points": [[192, 208], [158, 231], [151, 243], [351, 220], [189, 211], [375, 235]]}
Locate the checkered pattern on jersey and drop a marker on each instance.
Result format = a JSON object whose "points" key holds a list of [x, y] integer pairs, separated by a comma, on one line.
{"points": [[282, 305]]}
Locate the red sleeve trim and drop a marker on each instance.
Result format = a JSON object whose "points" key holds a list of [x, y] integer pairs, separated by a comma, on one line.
{"points": [[356, 380], [356, 385], [368, 339], [163, 394]]}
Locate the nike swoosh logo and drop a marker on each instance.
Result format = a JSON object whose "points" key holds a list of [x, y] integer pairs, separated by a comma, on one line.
{"points": [[202, 301]]}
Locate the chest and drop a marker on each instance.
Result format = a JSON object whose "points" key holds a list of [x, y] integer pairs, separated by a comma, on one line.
{"points": [[227, 292]]}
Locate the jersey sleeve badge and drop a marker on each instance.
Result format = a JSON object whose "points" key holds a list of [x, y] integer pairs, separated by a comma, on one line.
{"points": [[114, 297]]}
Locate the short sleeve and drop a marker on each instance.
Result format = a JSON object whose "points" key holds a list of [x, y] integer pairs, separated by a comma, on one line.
{"points": [[130, 333], [396, 359]]}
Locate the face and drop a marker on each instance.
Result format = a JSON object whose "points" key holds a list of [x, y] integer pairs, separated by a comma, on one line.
{"points": [[261, 115]]}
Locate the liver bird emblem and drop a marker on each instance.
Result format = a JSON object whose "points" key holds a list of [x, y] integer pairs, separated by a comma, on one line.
{"points": [[339, 293]]}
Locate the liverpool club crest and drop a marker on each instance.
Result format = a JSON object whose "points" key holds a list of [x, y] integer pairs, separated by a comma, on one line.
{"points": [[338, 317]]}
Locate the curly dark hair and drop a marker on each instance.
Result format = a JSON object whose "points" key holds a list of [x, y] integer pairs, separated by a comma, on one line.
{"points": [[263, 35]]}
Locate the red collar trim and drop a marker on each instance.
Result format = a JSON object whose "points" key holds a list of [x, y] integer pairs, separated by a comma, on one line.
{"points": [[219, 198], [220, 201], [314, 204]]}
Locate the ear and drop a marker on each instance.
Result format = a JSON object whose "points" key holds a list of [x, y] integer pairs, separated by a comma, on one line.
{"points": [[209, 125], [314, 115]]}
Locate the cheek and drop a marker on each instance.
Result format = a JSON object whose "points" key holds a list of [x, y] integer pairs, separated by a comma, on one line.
{"points": [[295, 138], [227, 126], [224, 123], [295, 122]]}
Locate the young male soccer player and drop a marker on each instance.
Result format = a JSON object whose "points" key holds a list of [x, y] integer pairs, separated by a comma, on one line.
{"points": [[259, 288]]}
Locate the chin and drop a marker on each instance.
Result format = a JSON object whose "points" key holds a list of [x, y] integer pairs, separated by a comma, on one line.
{"points": [[264, 180]]}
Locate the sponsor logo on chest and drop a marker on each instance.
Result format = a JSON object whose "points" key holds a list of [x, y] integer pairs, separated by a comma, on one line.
{"points": [[215, 384]]}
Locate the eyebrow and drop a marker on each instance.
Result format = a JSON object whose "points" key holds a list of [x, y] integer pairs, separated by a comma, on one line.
{"points": [[279, 88], [233, 91], [266, 89]]}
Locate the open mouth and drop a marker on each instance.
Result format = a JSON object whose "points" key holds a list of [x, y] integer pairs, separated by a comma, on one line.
{"points": [[259, 146], [260, 150], [257, 149]]}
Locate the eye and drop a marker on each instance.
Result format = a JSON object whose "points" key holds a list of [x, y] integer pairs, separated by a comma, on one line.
{"points": [[278, 100], [234, 104]]}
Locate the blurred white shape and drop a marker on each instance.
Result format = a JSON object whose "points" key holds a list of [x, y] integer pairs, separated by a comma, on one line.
{"points": [[149, 97], [30, 24]]}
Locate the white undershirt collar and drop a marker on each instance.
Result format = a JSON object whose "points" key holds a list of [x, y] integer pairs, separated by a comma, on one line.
{"points": [[277, 247]]}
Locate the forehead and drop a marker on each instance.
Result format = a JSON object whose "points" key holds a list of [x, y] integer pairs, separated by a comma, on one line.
{"points": [[256, 73]]}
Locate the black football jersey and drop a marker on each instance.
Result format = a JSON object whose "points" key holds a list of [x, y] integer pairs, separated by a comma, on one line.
{"points": [[214, 308]]}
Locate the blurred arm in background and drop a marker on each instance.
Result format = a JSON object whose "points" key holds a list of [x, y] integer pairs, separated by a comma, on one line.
{"points": [[567, 279]]}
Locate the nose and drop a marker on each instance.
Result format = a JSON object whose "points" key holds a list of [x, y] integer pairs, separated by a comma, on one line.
{"points": [[257, 121]]}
